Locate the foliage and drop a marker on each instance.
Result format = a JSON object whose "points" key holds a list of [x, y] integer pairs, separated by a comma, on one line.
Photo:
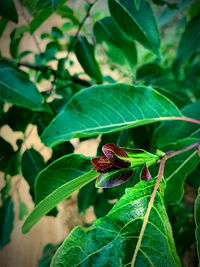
{"points": [[139, 90]]}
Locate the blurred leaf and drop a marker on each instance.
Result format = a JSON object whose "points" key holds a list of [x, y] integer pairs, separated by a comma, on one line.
{"points": [[149, 71], [23, 209], [108, 108], [61, 150], [6, 221], [8, 10], [9, 159], [17, 118], [3, 24], [17, 89], [47, 255], [137, 4], [55, 197], [44, 9], [67, 13], [193, 178], [197, 221], [118, 234], [56, 32], [32, 163], [116, 44], [168, 14], [102, 205], [190, 41], [139, 25], [86, 196], [85, 54]]}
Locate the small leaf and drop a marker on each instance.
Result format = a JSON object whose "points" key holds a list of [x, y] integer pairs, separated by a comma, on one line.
{"points": [[85, 54], [23, 210], [6, 221], [8, 10], [55, 197], [108, 108], [137, 4], [139, 25], [17, 89], [118, 234]]}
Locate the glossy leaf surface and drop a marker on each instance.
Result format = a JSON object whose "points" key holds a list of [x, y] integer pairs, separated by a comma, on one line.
{"points": [[116, 44], [108, 108], [62, 186], [59, 172], [85, 54], [118, 233], [139, 24], [17, 89]]}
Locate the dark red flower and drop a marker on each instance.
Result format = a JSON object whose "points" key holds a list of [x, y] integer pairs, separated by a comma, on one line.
{"points": [[113, 159]]}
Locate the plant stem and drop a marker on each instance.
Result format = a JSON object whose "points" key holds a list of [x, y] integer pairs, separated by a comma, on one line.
{"points": [[43, 68], [150, 205], [79, 29], [173, 153]]}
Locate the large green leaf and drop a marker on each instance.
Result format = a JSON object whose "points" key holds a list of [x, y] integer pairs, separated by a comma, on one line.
{"points": [[59, 172], [197, 221], [17, 89], [138, 24], [108, 108], [8, 10], [57, 190], [6, 221], [190, 41], [178, 130], [118, 233], [85, 54], [116, 44]]}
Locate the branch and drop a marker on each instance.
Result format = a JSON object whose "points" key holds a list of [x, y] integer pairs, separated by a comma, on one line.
{"points": [[150, 205], [173, 153], [79, 28], [43, 68]]}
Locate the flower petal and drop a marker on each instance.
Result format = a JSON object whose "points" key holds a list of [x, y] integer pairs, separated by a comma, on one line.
{"points": [[111, 179], [103, 165], [145, 174], [113, 152]]}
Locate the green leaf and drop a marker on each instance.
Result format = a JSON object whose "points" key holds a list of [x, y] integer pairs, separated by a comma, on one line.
{"points": [[116, 44], [23, 209], [118, 232], [197, 221], [31, 164], [85, 54], [86, 196], [139, 25], [9, 159], [178, 130], [8, 10], [47, 255], [17, 89], [108, 108], [57, 191], [3, 24], [59, 172], [6, 221], [190, 41], [178, 168], [44, 9]]}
